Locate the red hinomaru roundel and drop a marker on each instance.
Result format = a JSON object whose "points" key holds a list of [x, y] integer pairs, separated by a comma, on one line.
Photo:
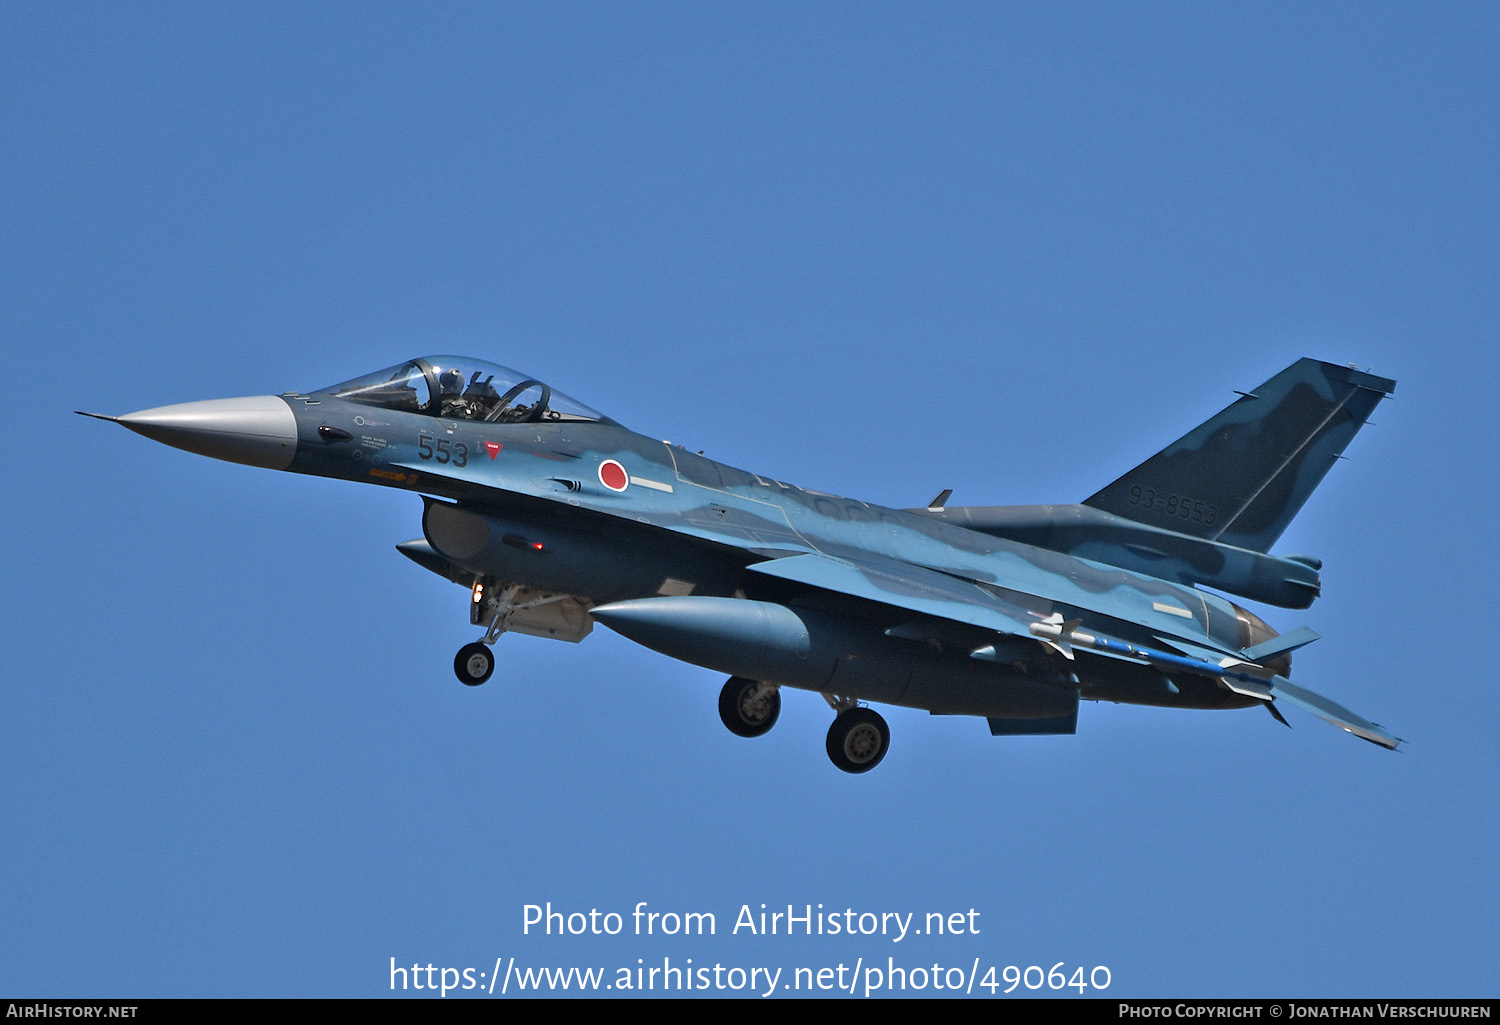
{"points": [[613, 476]]}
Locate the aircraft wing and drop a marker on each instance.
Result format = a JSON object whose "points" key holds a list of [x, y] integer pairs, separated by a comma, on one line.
{"points": [[937, 595], [940, 596], [904, 586]]}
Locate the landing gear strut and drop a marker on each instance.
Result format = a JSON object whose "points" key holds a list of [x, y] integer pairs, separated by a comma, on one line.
{"points": [[748, 707]]}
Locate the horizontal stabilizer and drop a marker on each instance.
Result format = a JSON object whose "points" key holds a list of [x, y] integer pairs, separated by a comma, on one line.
{"points": [[1281, 644], [1283, 689]]}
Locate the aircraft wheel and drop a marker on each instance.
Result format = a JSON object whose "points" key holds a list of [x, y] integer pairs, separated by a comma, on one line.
{"points": [[474, 663], [858, 740], [744, 714]]}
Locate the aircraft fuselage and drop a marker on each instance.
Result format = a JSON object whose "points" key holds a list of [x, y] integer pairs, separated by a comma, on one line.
{"points": [[540, 480], [555, 518]]}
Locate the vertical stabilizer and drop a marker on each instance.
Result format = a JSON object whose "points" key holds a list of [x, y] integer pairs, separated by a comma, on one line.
{"points": [[1243, 475]]}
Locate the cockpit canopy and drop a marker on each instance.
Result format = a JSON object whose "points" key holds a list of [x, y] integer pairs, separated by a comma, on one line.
{"points": [[458, 388]]}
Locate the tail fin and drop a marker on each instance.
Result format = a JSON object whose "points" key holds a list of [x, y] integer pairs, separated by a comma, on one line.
{"points": [[1243, 475]]}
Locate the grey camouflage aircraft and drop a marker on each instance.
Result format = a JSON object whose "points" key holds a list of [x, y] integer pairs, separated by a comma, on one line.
{"points": [[555, 517]]}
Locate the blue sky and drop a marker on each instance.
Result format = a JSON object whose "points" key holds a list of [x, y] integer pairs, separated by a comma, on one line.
{"points": [[872, 249]]}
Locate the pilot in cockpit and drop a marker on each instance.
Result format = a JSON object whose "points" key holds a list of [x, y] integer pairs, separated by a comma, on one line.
{"points": [[460, 403]]}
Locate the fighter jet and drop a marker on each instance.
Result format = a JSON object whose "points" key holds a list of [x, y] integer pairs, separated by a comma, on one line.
{"points": [[554, 517]]}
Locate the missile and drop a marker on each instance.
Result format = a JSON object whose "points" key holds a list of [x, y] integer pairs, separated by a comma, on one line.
{"points": [[1063, 637]]}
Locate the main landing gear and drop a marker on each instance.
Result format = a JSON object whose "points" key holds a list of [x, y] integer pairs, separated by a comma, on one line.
{"points": [[748, 707], [857, 740]]}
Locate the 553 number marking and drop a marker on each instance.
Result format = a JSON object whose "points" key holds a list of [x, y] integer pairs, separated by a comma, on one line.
{"points": [[442, 450]]}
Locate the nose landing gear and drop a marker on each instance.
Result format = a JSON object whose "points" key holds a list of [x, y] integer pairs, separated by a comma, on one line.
{"points": [[500, 607], [474, 663]]}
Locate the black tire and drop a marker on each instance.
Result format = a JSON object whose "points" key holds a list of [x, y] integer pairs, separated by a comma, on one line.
{"points": [[858, 740], [474, 663], [742, 717]]}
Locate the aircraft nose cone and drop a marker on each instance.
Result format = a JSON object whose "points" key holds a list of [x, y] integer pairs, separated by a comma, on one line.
{"points": [[258, 431]]}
